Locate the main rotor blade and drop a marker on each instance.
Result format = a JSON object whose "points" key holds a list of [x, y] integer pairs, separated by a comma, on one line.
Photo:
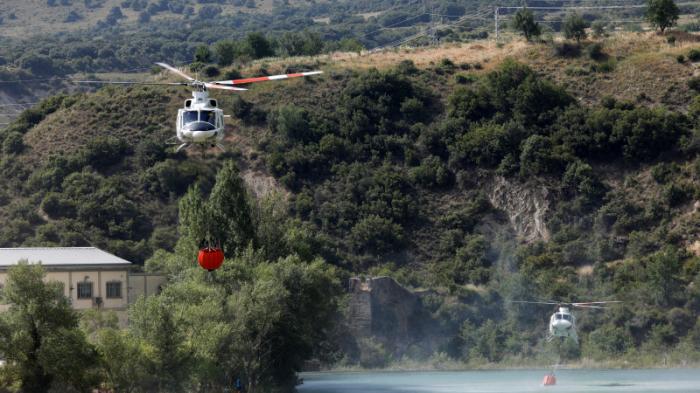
{"points": [[222, 87], [604, 302], [176, 71], [268, 78], [135, 83], [598, 307]]}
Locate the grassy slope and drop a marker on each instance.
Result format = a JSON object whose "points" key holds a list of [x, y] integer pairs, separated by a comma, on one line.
{"points": [[643, 63]]}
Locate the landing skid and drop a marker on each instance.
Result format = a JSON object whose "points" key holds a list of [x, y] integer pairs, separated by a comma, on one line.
{"points": [[572, 336], [185, 145]]}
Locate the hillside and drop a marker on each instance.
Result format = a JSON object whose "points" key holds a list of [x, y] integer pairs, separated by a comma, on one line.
{"points": [[455, 169], [23, 18]]}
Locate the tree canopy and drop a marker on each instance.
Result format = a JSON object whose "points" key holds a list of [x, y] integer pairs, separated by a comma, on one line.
{"points": [[662, 14], [524, 21]]}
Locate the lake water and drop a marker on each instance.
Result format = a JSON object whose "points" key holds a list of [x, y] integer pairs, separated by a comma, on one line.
{"points": [[568, 381]]}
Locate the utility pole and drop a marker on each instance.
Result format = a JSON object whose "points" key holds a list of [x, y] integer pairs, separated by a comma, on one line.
{"points": [[495, 18]]}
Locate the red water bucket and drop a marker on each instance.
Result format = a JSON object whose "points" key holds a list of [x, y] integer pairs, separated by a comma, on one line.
{"points": [[549, 380]]}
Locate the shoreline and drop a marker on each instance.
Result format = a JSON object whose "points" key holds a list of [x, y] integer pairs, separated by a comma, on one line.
{"points": [[613, 365]]}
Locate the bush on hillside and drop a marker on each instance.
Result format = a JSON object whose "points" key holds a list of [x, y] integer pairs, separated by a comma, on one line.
{"points": [[694, 55]]}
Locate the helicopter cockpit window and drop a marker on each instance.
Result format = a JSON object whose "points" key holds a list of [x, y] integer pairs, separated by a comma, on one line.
{"points": [[207, 116], [189, 116], [567, 317], [557, 316]]}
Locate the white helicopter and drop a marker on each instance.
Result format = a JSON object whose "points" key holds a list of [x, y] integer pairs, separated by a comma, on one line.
{"points": [[201, 121], [563, 322]]}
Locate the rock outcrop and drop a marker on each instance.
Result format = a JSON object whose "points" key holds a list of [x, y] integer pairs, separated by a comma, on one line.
{"points": [[525, 205]]}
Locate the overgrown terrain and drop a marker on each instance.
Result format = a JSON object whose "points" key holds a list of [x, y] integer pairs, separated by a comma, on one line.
{"points": [[553, 176]]}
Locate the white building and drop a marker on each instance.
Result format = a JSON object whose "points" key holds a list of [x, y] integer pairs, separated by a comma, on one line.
{"points": [[91, 278]]}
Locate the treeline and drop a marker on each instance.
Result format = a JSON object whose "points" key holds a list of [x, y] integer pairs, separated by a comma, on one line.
{"points": [[256, 320], [292, 31]]}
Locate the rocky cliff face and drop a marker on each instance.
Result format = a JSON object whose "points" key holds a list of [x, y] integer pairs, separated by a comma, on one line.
{"points": [[525, 205]]}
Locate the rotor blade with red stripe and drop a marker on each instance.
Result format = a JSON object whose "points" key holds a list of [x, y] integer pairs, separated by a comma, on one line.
{"points": [[222, 87], [267, 78], [176, 71]]}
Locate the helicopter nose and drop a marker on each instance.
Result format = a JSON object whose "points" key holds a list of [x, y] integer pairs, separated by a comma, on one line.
{"points": [[562, 324], [200, 136]]}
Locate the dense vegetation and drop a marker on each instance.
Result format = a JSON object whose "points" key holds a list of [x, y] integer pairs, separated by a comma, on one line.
{"points": [[406, 172], [248, 322]]}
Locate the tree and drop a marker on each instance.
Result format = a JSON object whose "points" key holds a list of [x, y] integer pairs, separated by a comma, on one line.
{"points": [[663, 269], [525, 22], [225, 52], [202, 54], [230, 212], [662, 13], [257, 46], [39, 335], [575, 27], [351, 45], [122, 360], [153, 321]]}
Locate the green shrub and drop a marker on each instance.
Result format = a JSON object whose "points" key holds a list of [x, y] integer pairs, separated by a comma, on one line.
{"points": [[464, 79], [663, 172], [595, 52], [376, 234], [567, 49], [372, 354], [104, 151], [680, 59], [432, 172], [604, 66], [211, 71], [694, 55], [537, 156], [13, 143], [292, 122], [469, 104], [677, 194], [407, 67], [694, 83]]}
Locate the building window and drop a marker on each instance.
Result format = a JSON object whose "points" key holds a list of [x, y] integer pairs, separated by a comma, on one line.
{"points": [[84, 290], [114, 290]]}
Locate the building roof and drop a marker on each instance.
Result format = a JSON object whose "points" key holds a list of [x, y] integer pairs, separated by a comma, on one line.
{"points": [[60, 256]]}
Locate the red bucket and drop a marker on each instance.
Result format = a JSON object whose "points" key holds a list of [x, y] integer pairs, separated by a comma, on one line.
{"points": [[549, 380]]}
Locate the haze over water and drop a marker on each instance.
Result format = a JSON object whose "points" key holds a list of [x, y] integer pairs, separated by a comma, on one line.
{"points": [[568, 381]]}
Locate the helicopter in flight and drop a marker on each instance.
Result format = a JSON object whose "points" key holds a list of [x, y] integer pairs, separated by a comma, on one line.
{"points": [[200, 121], [562, 323]]}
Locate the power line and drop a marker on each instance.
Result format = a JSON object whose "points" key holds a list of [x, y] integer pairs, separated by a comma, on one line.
{"points": [[480, 15], [576, 7], [33, 80], [19, 104]]}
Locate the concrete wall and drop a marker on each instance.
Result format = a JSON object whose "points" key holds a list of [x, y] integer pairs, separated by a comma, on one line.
{"points": [[144, 284]]}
